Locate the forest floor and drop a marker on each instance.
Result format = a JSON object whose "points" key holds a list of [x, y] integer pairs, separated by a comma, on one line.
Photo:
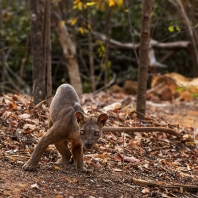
{"points": [[148, 164]]}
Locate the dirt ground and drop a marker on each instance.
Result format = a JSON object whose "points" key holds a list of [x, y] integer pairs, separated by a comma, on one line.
{"points": [[124, 165]]}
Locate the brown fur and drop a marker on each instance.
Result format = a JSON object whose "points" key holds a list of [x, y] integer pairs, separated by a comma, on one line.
{"points": [[68, 123]]}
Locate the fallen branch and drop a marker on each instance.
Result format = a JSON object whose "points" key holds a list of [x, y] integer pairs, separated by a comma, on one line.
{"points": [[141, 129], [184, 187], [154, 43]]}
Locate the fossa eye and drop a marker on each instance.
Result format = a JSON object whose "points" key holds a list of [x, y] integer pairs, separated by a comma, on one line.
{"points": [[96, 133], [82, 132]]}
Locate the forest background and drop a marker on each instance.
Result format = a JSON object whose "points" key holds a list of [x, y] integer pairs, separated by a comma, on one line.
{"points": [[105, 37]]}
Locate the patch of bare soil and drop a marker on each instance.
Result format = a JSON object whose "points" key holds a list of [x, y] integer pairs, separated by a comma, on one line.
{"points": [[145, 164], [47, 182], [183, 113]]}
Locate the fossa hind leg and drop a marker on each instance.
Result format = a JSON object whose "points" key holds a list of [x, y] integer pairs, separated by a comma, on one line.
{"points": [[49, 138]]}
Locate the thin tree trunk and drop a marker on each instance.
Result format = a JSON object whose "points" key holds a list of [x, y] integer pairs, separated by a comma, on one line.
{"points": [[91, 58], [2, 53], [47, 50], [144, 57], [108, 33], [37, 51], [69, 51]]}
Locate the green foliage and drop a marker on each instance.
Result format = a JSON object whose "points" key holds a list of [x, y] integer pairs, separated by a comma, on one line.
{"points": [[16, 24], [180, 89], [189, 89], [98, 4], [195, 95], [173, 27], [16, 30], [101, 49], [165, 27]]}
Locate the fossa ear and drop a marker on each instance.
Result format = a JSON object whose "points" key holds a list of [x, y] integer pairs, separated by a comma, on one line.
{"points": [[79, 116], [102, 118]]}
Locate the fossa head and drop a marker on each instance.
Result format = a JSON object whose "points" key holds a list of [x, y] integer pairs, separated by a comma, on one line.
{"points": [[90, 128]]}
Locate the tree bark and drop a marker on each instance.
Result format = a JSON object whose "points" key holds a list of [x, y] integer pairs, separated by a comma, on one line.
{"points": [[37, 51], [108, 34], [144, 57], [69, 51], [91, 57], [2, 53], [47, 50]]}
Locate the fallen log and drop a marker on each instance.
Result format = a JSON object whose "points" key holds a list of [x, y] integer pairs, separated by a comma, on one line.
{"points": [[152, 183], [153, 43], [141, 129]]}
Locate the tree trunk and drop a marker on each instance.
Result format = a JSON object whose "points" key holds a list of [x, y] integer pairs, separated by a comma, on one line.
{"points": [[91, 57], [69, 51], [144, 57], [108, 34], [2, 53], [37, 51], [47, 50]]}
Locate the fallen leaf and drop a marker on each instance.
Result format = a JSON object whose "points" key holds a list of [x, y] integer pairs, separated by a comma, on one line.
{"points": [[56, 167], [24, 116], [163, 161], [13, 106], [102, 156], [145, 190], [113, 106], [147, 166], [6, 115], [117, 170], [119, 157], [29, 126], [17, 157], [20, 99], [132, 143], [166, 196], [34, 186], [120, 140]]}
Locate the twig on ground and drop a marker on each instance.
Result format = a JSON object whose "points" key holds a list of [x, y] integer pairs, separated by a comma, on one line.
{"points": [[185, 187]]}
